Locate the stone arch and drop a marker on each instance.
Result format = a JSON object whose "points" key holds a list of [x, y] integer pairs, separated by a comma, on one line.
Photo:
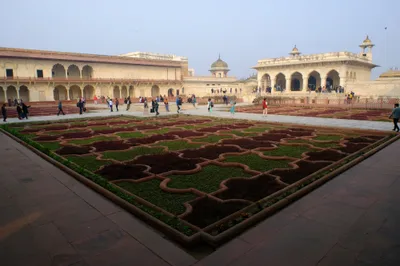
{"points": [[73, 71], [131, 91], [155, 91], [332, 79], [314, 80], [280, 81], [124, 92], [24, 93], [87, 72], [265, 81], [116, 92], [75, 92], [60, 93], [296, 81], [2, 99], [88, 92], [11, 92], [58, 71], [170, 92]]}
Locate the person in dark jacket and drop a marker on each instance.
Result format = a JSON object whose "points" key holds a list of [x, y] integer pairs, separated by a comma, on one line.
{"points": [[4, 112], [25, 110], [80, 106], [60, 109], [396, 116], [19, 112], [116, 103]]}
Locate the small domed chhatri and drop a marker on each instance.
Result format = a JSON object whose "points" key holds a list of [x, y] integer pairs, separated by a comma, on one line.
{"points": [[219, 68], [295, 51], [392, 73]]}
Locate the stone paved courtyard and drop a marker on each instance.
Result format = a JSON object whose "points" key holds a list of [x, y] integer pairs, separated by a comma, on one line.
{"points": [[49, 218]]}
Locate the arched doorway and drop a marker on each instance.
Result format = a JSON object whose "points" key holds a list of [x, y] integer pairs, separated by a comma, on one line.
{"points": [[116, 93], [11, 92], [88, 92], [170, 92], [75, 92], [155, 91], [280, 82], [265, 81], [177, 92], [332, 79], [60, 93], [296, 83], [124, 92], [131, 92], [2, 100], [87, 72], [58, 71], [24, 93], [73, 72], [314, 80]]}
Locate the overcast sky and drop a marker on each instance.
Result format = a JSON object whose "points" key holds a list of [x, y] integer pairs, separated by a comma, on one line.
{"points": [[241, 31]]}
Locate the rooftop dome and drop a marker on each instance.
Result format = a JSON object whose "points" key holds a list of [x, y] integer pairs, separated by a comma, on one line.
{"points": [[392, 73], [367, 40], [295, 51], [367, 43], [219, 64]]}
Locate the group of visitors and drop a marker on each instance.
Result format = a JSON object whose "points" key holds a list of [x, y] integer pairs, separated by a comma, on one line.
{"points": [[22, 110], [231, 90]]}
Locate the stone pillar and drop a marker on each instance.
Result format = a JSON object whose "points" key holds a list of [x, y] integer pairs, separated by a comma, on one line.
{"points": [[120, 92], [288, 85], [5, 93], [323, 81], [17, 89], [68, 98], [273, 81], [305, 84], [259, 84], [82, 92]]}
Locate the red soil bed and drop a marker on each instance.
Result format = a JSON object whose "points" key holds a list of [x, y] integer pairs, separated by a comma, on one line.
{"points": [[325, 155], [122, 171], [77, 135], [209, 152], [45, 137], [353, 147], [162, 163], [145, 127], [151, 139], [65, 150], [291, 176], [185, 133], [31, 130], [207, 211], [110, 145], [293, 132], [248, 143], [271, 137], [360, 140], [112, 130], [51, 128], [252, 189]]}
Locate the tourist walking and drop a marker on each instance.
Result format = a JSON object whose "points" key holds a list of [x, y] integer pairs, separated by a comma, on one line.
{"points": [[233, 105], [265, 107], [166, 104], [60, 109], [110, 104], [145, 107], [178, 104], [80, 106], [194, 101], [128, 103], [395, 115], [4, 112], [210, 105], [116, 103], [25, 110], [154, 106], [19, 112]]}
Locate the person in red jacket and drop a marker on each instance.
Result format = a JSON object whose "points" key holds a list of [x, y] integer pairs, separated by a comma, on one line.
{"points": [[265, 107]]}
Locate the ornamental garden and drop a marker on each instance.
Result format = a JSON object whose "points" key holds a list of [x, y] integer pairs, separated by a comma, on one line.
{"points": [[198, 179]]}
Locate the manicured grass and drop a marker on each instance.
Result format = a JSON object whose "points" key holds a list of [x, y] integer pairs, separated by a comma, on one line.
{"points": [[175, 145], [91, 140], [316, 144], [88, 161], [256, 129], [211, 138], [290, 151], [78, 123], [151, 191], [239, 133], [187, 126], [51, 145], [130, 135], [257, 163], [60, 132], [98, 128], [162, 130], [208, 179], [30, 136], [328, 137], [131, 154]]}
